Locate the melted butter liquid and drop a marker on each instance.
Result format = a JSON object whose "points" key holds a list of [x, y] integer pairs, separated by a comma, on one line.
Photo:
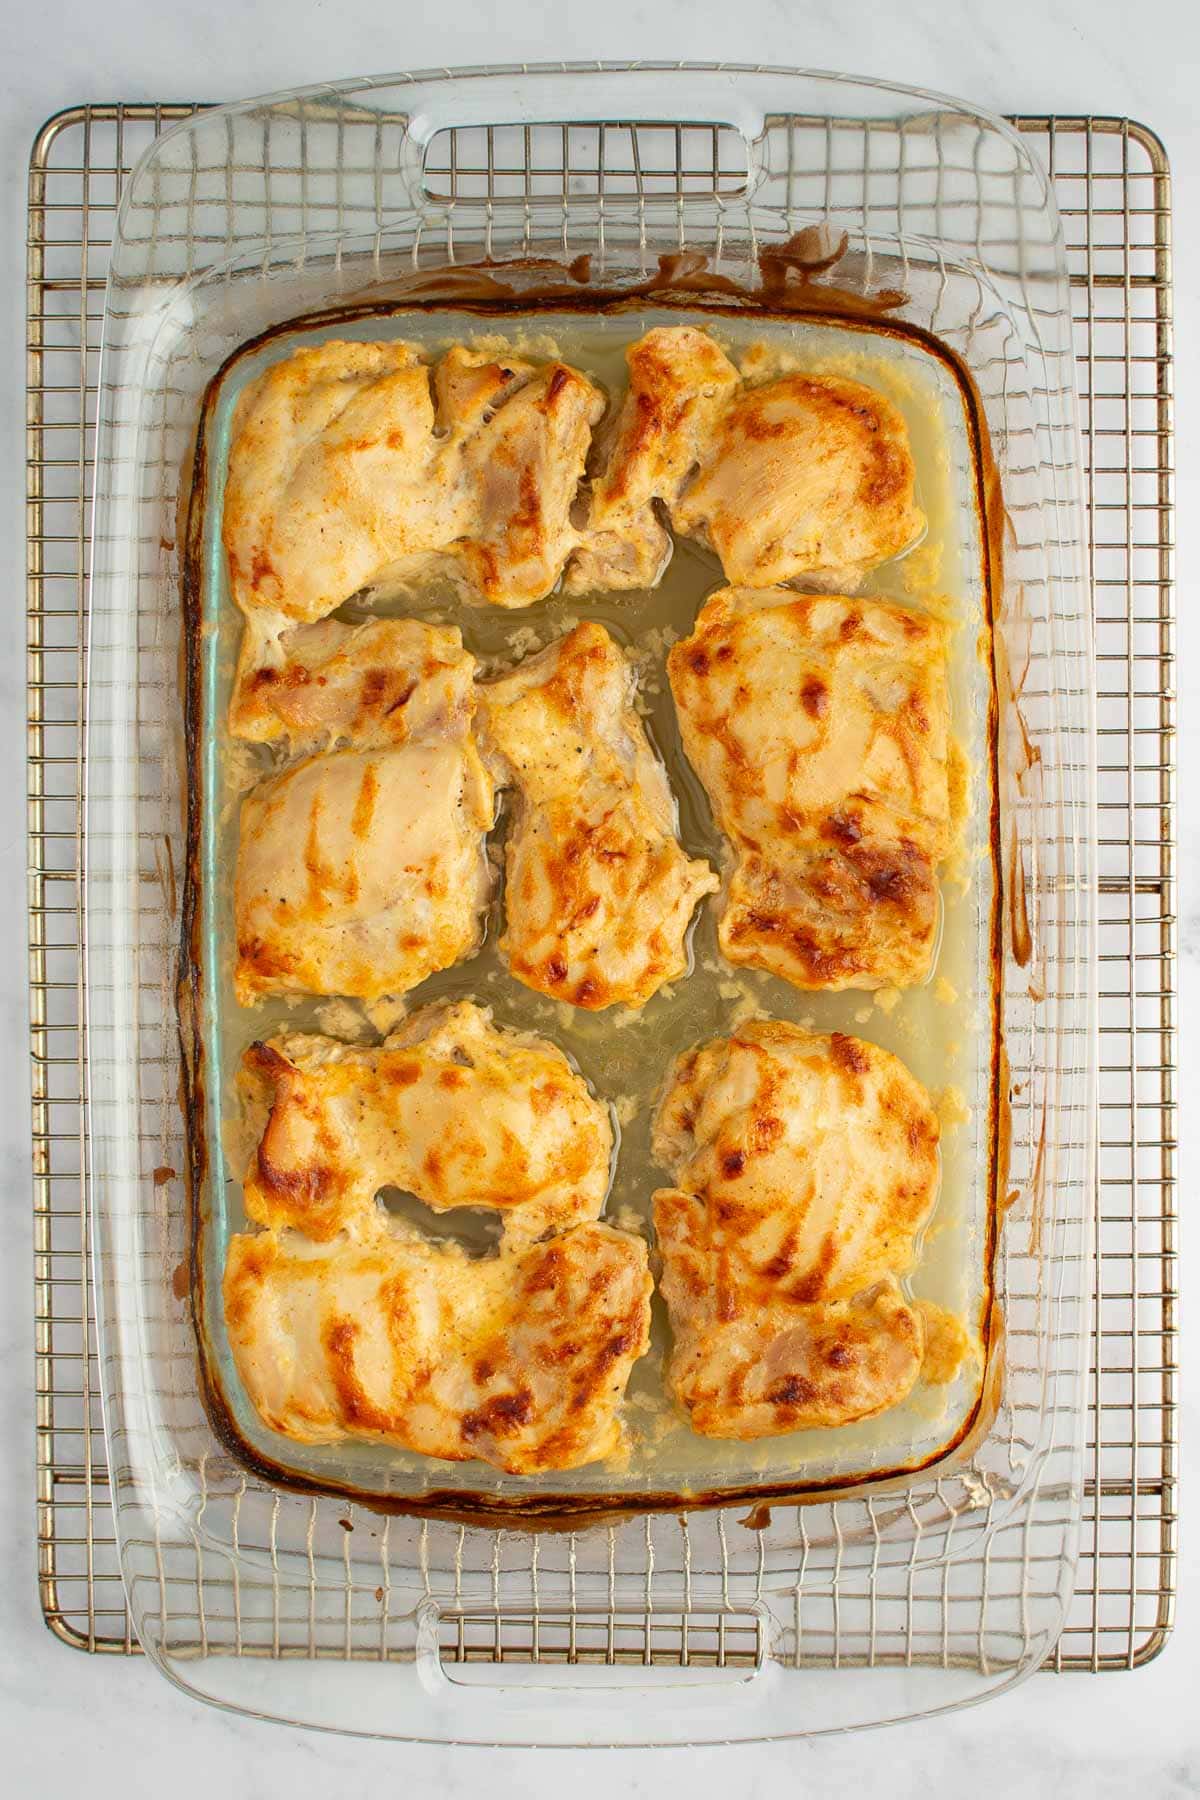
{"points": [[942, 1030]]}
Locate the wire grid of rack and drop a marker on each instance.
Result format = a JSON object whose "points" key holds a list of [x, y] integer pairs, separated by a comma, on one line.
{"points": [[1112, 186]]}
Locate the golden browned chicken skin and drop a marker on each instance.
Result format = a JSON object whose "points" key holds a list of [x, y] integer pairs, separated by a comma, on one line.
{"points": [[679, 380], [451, 1108], [362, 871], [808, 477], [344, 1323], [521, 1359], [804, 1167], [370, 685], [326, 904], [328, 477], [523, 465], [357, 465], [360, 464], [598, 892], [818, 725]]}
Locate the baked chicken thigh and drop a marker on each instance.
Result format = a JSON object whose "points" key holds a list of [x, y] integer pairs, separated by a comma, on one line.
{"points": [[679, 380], [818, 725], [362, 871], [804, 1166], [805, 477], [357, 464], [450, 1107], [521, 1359], [598, 891]]}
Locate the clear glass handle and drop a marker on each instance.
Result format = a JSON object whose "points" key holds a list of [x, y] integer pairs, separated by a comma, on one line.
{"points": [[672, 99]]}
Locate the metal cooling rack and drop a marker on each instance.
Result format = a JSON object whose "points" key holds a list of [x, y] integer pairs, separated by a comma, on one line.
{"points": [[1112, 185]]}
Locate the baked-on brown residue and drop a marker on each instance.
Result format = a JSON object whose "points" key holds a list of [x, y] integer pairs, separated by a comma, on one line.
{"points": [[789, 279]]}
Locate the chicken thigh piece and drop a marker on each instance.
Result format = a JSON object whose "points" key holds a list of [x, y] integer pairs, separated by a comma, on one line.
{"points": [[807, 476], [362, 871], [819, 727], [804, 1167], [522, 467], [451, 1107], [335, 479], [521, 1360], [371, 685], [598, 892], [356, 464], [678, 381]]}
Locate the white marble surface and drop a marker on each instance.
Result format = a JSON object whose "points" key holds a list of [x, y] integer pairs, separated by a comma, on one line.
{"points": [[67, 1720]]}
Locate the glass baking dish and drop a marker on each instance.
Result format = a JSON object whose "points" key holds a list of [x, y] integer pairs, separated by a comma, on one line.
{"points": [[944, 1031], [902, 1596]]}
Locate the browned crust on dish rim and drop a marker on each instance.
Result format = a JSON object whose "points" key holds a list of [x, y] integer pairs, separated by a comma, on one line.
{"points": [[816, 304]]}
